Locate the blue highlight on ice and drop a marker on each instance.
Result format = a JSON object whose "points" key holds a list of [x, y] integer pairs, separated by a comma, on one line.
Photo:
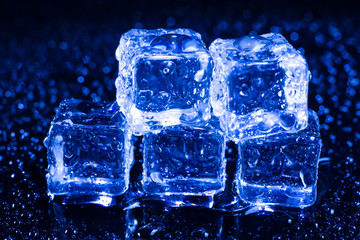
{"points": [[186, 102]]}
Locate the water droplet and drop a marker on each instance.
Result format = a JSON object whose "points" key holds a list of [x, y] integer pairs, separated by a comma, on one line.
{"points": [[157, 177], [112, 155], [251, 157], [151, 230], [256, 176], [276, 164], [200, 233], [175, 43]]}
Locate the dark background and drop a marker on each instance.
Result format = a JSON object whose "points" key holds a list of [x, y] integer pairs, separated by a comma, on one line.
{"points": [[54, 50]]}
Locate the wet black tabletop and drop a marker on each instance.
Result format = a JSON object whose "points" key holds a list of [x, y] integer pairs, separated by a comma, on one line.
{"points": [[50, 51]]}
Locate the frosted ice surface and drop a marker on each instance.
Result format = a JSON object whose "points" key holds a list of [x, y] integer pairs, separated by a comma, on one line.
{"points": [[281, 169], [164, 78], [185, 159], [89, 152], [260, 85]]}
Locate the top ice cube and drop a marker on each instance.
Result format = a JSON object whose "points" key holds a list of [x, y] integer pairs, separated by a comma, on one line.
{"points": [[260, 85], [164, 78]]}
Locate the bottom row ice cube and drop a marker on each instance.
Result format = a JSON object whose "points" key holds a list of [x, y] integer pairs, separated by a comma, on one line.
{"points": [[89, 152], [185, 159], [281, 169]]}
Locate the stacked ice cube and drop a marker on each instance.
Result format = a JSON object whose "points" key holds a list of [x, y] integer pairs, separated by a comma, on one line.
{"points": [[186, 102], [259, 89], [164, 78], [260, 85], [163, 89]]}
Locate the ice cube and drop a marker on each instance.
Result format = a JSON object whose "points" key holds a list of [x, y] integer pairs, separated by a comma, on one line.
{"points": [[185, 160], [281, 169], [89, 153], [260, 85], [164, 77]]}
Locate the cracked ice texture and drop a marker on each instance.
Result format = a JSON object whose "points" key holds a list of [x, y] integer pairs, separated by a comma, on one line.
{"points": [[260, 85]]}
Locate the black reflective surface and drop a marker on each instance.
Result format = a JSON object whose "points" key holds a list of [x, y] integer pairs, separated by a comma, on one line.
{"points": [[52, 51]]}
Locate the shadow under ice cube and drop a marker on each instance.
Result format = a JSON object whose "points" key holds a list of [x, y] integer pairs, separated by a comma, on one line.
{"points": [[89, 153], [260, 85], [184, 160], [164, 77], [281, 169]]}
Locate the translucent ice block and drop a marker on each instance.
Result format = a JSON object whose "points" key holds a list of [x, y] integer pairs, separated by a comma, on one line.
{"points": [[89, 153], [185, 160], [260, 85], [164, 77], [281, 169]]}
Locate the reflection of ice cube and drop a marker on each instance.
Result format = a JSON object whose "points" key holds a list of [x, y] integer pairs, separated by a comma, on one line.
{"points": [[184, 160], [156, 222], [164, 77], [89, 152], [281, 169], [260, 85], [87, 222]]}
